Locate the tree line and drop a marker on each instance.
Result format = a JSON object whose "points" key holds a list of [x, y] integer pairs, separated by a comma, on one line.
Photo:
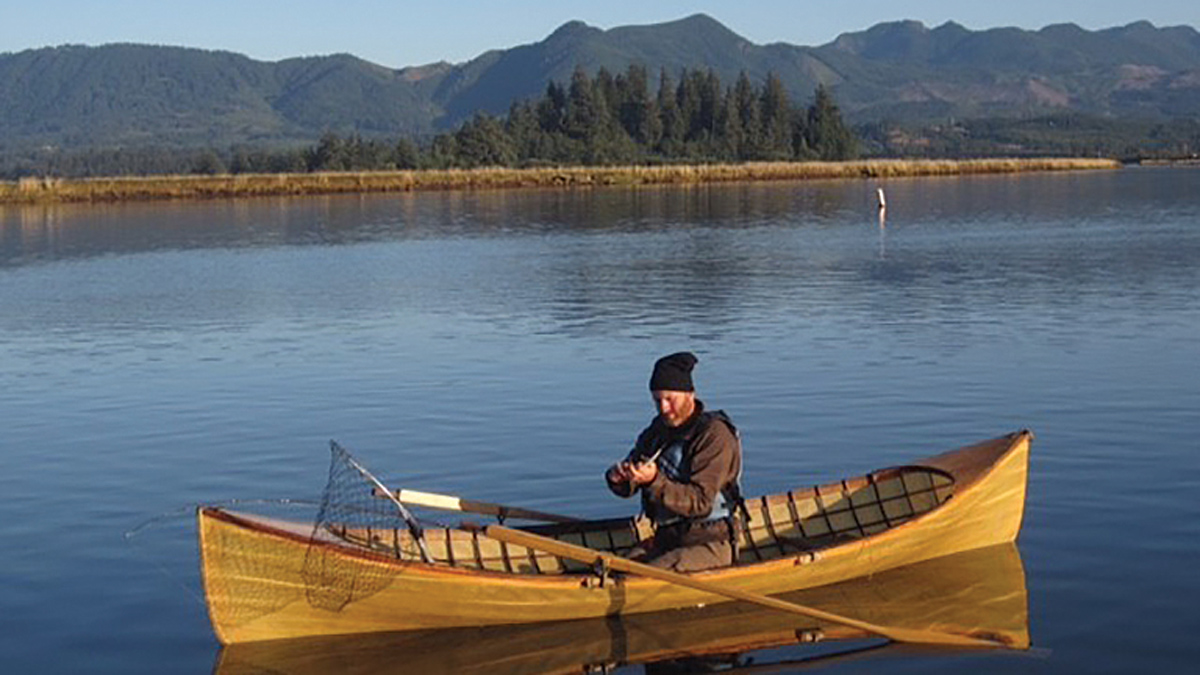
{"points": [[606, 119], [1063, 134], [600, 119], [626, 119], [614, 120]]}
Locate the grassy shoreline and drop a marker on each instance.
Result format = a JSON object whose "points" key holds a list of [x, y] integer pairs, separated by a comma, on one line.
{"points": [[44, 190]]}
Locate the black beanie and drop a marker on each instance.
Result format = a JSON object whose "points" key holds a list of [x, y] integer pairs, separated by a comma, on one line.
{"points": [[673, 372]]}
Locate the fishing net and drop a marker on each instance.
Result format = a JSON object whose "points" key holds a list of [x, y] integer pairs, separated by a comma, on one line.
{"points": [[360, 541], [356, 508], [256, 565]]}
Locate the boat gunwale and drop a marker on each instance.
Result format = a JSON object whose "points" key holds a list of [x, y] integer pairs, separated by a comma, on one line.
{"points": [[974, 472]]}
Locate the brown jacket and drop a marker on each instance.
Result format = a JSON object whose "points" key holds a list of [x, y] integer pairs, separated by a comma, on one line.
{"points": [[707, 459]]}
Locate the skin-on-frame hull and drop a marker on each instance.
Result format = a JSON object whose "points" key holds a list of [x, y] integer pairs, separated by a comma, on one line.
{"points": [[267, 579]]}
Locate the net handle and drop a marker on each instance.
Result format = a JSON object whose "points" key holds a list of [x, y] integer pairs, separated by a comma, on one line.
{"points": [[414, 527]]}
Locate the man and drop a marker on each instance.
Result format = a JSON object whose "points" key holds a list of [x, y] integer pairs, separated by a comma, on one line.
{"points": [[687, 464]]}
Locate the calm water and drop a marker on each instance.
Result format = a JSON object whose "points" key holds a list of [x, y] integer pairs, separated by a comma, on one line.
{"points": [[497, 345]]}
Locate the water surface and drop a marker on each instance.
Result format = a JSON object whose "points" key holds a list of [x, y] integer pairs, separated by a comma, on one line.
{"points": [[497, 345]]}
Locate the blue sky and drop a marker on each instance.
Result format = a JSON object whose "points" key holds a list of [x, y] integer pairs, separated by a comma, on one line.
{"points": [[398, 33]]}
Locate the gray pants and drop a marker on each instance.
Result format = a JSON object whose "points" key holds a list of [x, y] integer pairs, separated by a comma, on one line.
{"points": [[700, 546], [705, 556]]}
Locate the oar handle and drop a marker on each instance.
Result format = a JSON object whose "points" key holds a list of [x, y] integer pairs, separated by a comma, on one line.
{"points": [[451, 503]]}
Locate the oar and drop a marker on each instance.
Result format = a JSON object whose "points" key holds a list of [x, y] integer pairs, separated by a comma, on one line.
{"points": [[593, 557], [452, 503]]}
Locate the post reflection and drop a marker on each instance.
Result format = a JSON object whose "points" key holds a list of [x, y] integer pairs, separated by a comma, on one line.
{"points": [[882, 225]]}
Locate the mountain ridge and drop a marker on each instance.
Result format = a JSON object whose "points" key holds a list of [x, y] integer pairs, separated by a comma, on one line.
{"points": [[128, 94]]}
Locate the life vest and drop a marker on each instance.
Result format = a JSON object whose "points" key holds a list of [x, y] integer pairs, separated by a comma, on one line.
{"points": [[675, 461]]}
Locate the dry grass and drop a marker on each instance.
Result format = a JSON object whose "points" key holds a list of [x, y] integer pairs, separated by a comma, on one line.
{"points": [[37, 190]]}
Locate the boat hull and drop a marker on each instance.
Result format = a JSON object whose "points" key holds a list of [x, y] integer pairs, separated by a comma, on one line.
{"points": [[260, 582], [978, 593]]}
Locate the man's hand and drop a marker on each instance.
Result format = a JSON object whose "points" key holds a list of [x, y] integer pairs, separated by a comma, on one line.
{"points": [[636, 474], [643, 473], [619, 473]]}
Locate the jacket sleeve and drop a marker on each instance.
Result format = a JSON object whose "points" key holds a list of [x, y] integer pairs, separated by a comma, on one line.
{"points": [[715, 462]]}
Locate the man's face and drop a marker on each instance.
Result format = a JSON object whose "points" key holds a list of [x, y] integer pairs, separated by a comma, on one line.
{"points": [[675, 407]]}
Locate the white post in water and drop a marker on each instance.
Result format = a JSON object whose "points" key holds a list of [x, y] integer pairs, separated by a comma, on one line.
{"points": [[882, 201]]}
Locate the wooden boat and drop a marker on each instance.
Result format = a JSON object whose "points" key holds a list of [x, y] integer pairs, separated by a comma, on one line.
{"points": [[980, 592], [271, 579]]}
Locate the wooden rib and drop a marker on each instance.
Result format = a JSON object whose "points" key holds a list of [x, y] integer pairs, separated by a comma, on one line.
{"points": [[870, 501], [825, 511], [917, 477], [779, 529], [809, 503], [899, 499], [837, 494], [849, 497], [508, 566], [791, 502], [478, 553], [770, 527], [758, 554], [879, 502], [908, 494], [612, 543], [612, 535]]}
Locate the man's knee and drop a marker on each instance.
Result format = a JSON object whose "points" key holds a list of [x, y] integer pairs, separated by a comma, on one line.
{"points": [[695, 558]]}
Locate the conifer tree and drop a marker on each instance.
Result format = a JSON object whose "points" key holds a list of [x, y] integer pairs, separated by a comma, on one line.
{"points": [[552, 109], [408, 156], [730, 142], [605, 87], [687, 96], [827, 135], [524, 131], [443, 152], [638, 112], [330, 154], [776, 120], [584, 109], [674, 126], [483, 142], [745, 103]]}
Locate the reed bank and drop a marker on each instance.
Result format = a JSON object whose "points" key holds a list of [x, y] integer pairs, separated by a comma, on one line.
{"points": [[51, 190]]}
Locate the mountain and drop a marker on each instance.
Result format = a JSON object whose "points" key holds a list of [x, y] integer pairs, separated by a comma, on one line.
{"points": [[129, 94], [905, 70], [137, 94]]}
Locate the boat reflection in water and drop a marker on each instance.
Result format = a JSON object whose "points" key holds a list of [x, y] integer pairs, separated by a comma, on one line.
{"points": [[979, 593]]}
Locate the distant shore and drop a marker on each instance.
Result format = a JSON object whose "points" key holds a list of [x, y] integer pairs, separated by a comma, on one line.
{"points": [[49, 190]]}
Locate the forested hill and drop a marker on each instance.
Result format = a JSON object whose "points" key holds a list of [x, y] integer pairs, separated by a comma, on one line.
{"points": [[76, 97]]}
